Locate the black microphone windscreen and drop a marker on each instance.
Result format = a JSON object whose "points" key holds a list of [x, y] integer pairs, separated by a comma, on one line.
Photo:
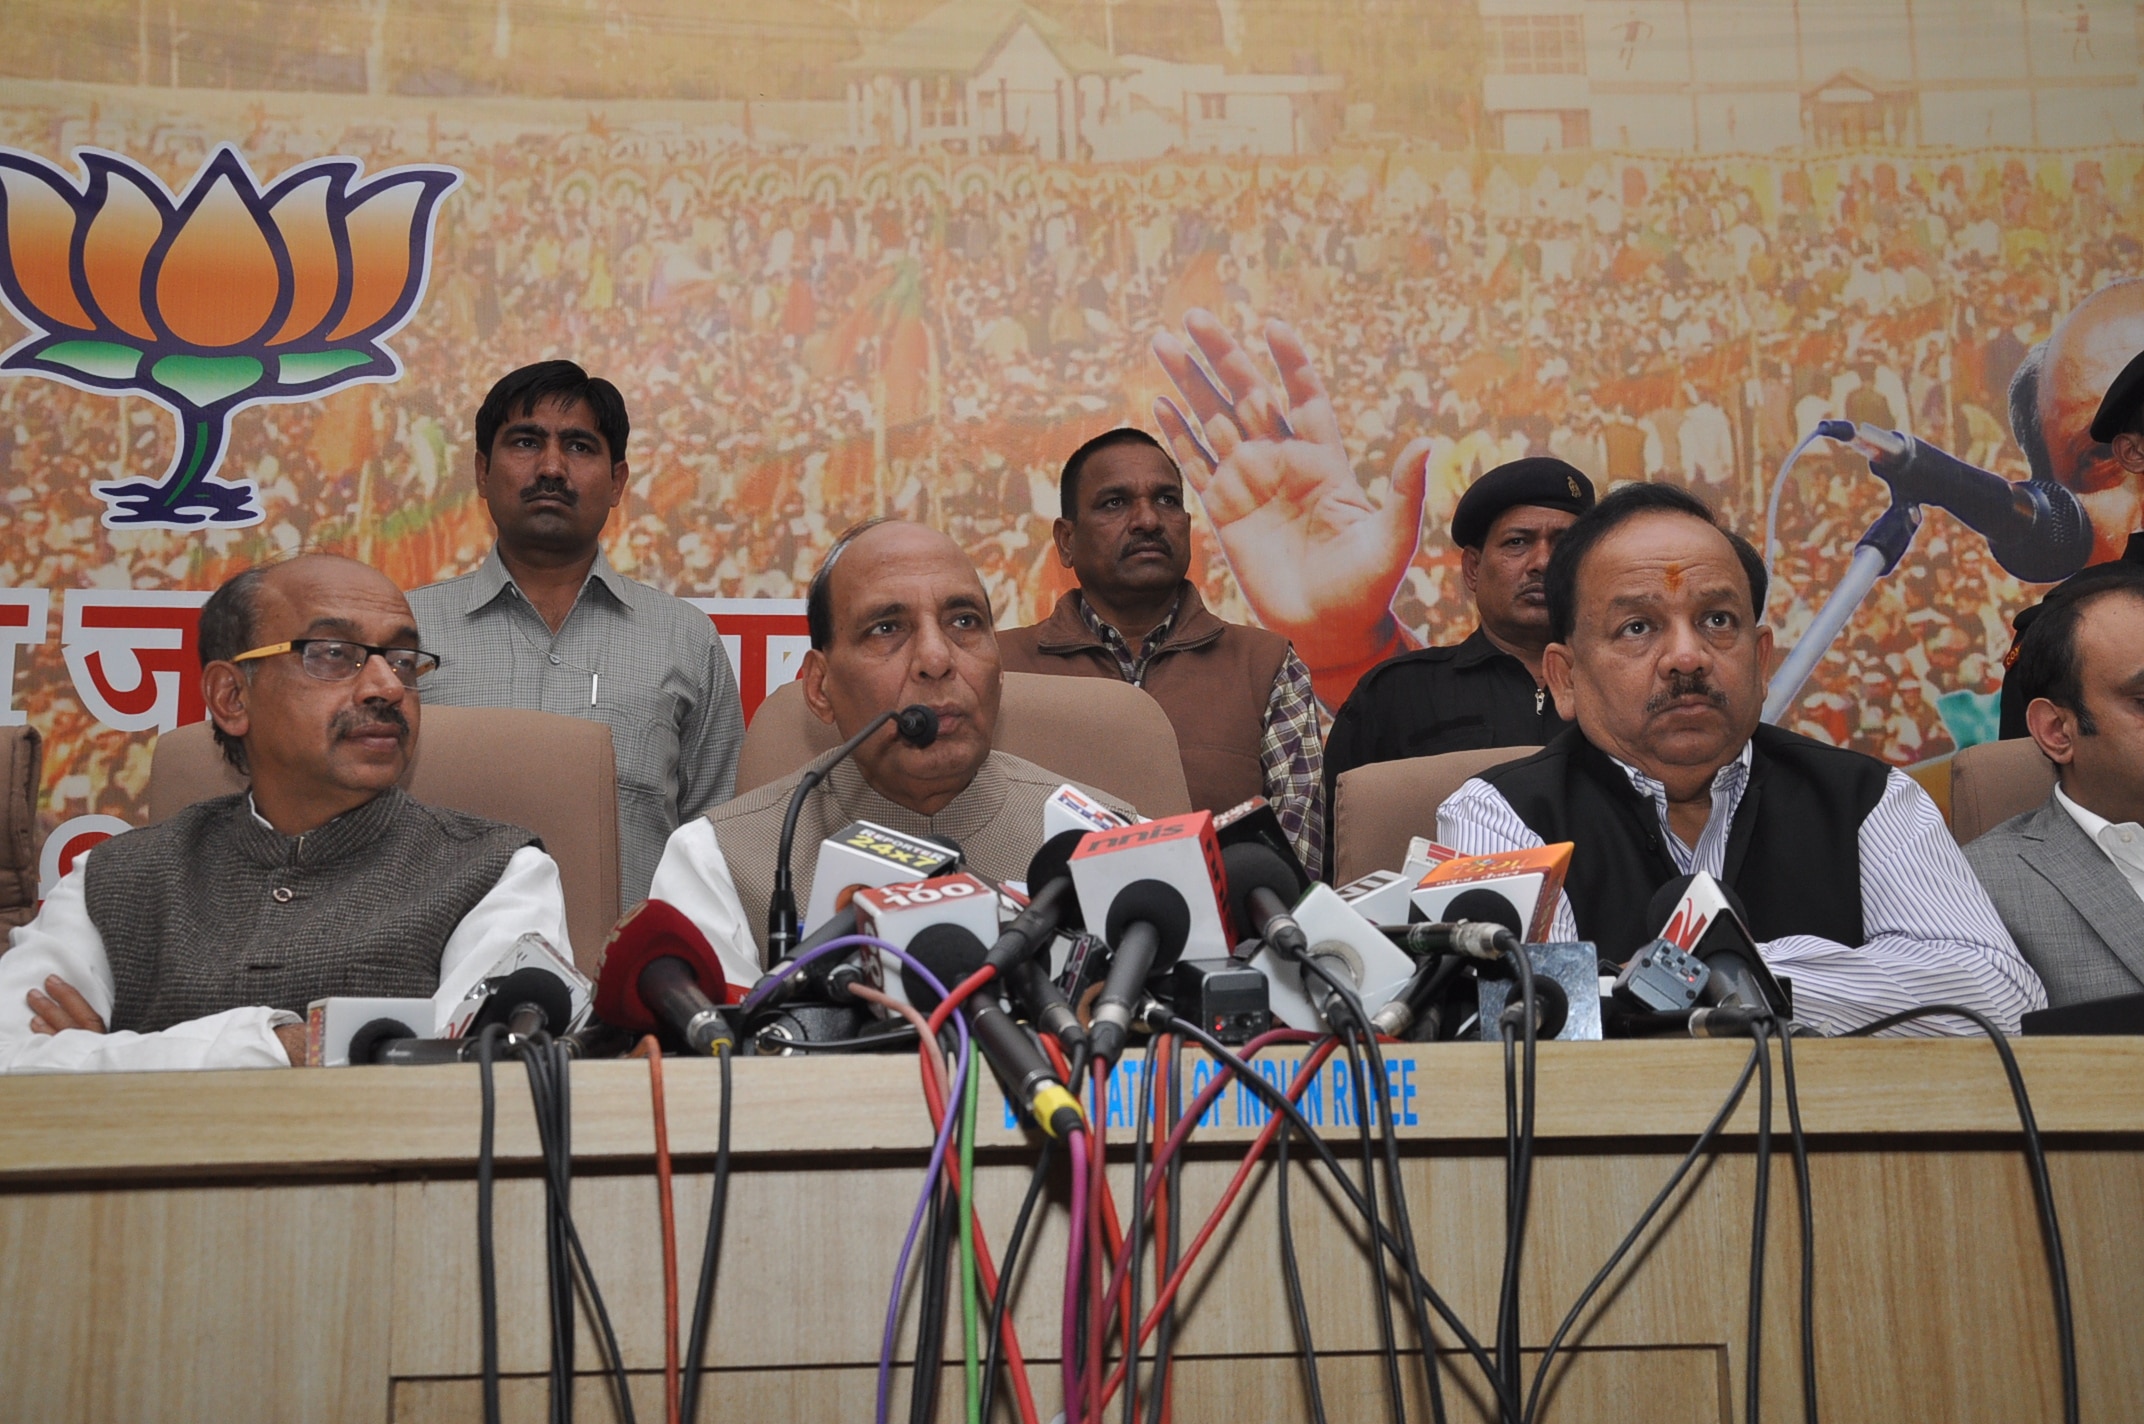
{"points": [[1484, 907], [1250, 866], [372, 1035], [527, 986], [1053, 860], [960, 857], [1159, 904], [952, 952], [917, 724]]}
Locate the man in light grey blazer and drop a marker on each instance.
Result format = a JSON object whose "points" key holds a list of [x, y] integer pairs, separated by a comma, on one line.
{"points": [[2068, 878]]}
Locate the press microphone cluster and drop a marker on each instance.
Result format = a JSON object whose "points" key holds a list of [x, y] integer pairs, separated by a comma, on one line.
{"points": [[660, 975]]}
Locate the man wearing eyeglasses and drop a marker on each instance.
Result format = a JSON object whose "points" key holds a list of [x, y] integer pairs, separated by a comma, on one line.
{"points": [[198, 942]]}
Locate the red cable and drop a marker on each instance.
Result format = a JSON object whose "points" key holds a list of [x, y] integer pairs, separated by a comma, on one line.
{"points": [[1175, 1282], [649, 1049]]}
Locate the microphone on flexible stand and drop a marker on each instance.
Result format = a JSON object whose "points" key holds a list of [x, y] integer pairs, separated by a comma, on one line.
{"points": [[915, 724]]}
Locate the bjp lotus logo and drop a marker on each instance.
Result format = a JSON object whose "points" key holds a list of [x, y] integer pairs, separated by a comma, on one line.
{"points": [[212, 300]]}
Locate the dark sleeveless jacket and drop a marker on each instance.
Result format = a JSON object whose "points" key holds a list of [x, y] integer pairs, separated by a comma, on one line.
{"points": [[212, 910], [1214, 679], [1793, 850]]}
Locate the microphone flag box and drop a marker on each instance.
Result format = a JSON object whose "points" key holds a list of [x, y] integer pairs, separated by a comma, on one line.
{"points": [[1180, 851], [1071, 809], [331, 1023], [1384, 897], [1528, 881], [470, 986], [898, 913], [1254, 822], [1334, 927], [865, 853]]}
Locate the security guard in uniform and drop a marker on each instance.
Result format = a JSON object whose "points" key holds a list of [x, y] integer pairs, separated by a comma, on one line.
{"points": [[1485, 691]]}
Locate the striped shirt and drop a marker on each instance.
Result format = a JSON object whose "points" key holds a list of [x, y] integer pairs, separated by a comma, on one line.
{"points": [[628, 655], [1932, 934]]}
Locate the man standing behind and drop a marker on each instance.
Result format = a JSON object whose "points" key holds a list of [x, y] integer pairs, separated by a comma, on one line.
{"points": [[1240, 700], [547, 624], [1485, 690]]}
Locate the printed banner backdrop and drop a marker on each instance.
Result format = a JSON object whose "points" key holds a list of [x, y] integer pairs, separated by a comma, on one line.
{"points": [[260, 263]]}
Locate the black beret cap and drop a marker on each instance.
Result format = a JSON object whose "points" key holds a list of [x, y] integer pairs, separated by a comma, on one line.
{"points": [[1537, 480], [2118, 408]]}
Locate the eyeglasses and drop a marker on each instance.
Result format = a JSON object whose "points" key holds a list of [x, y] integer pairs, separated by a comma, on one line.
{"points": [[339, 660]]}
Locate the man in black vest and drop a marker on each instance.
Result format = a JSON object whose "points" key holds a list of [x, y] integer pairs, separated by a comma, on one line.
{"points": [[199, 941], [1855, 889]]}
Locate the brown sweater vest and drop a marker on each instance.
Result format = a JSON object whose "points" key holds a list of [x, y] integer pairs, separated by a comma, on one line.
{"points": [[997, 822], [1214, 679]]}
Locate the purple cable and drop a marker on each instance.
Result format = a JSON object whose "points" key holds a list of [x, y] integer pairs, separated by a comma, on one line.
{"points": [[1077, 1142]]}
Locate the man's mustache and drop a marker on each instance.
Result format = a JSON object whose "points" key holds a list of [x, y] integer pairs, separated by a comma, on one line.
{"points": [[1685, 684], [545, 487], [370, 722], [1159, 545]]}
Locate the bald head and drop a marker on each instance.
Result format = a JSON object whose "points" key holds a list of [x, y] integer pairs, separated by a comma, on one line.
{"points": [[899, 616], [2087, 351]]}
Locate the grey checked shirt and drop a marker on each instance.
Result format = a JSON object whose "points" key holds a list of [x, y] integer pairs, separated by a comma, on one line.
{"points": [[629, 655]]}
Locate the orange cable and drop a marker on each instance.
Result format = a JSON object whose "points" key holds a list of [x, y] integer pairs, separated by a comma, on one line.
{"points": [[649, 1049]]}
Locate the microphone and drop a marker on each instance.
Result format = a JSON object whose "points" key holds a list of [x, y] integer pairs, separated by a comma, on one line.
{"points": [[1705, 920], [1261, 887], [1338, 939], [1052, 906], [1157, 886], [660, 973], [860, 855], [1149, 922], [529, 1001], [898, 914], [2036, 529], [953, 954], [1477, 917], [1256, 823], [915, 724]]}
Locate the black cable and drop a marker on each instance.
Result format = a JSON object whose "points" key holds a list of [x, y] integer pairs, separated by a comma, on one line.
{"points": [[1522, 1158], [1801, 1192], [1165, 1332], [940, 1229], [557, 1166], [1291, 1276], [1623, 1247], [1006, 1266], [1141, 1100], [904, 1036], [1760, 1216], [557, 1257], [487, 1264], [1386, 1339], [1403, 1223], [703, 1304], [1278, 1100], [2058, 1269], [1403, 1220]]}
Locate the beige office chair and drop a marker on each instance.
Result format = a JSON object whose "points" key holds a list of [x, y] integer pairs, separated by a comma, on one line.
{"points": [[1994, 781], [552, 774], [1096, 731], [1378, 808], [22, 758]]}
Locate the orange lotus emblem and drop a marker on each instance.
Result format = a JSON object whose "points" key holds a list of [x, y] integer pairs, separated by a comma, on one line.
{"points": [[222, 297]]}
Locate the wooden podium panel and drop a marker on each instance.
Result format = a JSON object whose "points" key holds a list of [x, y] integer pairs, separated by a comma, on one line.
{"points": [[300, 1246]]}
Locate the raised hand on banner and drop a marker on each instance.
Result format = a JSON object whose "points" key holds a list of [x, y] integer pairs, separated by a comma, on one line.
{"points": [[1317, 559]]}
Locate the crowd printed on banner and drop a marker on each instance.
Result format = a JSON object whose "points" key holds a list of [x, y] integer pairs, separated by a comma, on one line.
{"points": [[134, 663], [1328, 1100]]}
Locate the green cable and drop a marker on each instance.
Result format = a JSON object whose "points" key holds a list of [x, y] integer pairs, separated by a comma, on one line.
{"points": [[970, 1333]]}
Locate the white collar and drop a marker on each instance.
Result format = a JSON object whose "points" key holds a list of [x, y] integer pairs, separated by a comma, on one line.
{"points": [[2090, 822]]}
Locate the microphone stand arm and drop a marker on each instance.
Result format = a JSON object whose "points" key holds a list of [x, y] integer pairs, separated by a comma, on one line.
{"points": [[782, 904], [1877, 554]]}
